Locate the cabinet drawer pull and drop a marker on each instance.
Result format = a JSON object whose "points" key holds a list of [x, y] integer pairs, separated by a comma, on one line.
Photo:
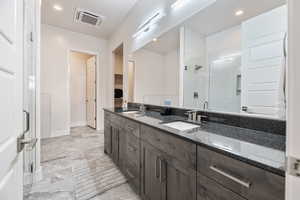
{"points": [[157, 174], [130, 128], [163, 169], [131, 148], [237, 180]]}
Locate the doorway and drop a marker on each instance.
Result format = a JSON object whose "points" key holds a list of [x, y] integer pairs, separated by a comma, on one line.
{"points": [[83, 89], [118, 76]]}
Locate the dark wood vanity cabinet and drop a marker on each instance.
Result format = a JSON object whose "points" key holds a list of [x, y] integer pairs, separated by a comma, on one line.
{"points": [[168, 166], [160, 166], [122, 144]]}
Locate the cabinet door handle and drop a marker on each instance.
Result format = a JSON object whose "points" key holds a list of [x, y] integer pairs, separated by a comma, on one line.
{"points": [[235, 179], [163, 169], [131, 148], [156, 168]]}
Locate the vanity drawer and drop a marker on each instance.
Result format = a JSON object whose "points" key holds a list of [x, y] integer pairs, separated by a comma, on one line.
{"points": [[208, 189], [246, 180], [174, 147], [106, 116], [132, 127], [116, 120]]}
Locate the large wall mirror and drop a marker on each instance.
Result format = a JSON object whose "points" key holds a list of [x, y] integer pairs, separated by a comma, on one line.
{"points": [[230, 57]]}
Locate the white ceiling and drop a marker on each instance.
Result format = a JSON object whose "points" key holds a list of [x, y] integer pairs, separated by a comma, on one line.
{"points": [[217, 17], [221, 15], [114, 11]]}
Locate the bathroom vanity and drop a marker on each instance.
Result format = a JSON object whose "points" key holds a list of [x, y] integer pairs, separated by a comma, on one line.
{"points": [[212, 162]]}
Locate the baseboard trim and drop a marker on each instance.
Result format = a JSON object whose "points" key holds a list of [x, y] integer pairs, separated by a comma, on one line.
{"points": [[60, 133], [78, 124], [35, 176]]}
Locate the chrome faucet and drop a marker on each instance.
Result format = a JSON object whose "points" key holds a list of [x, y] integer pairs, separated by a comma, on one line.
{"points": [[142, 109], [205, 105], [192, 115]]}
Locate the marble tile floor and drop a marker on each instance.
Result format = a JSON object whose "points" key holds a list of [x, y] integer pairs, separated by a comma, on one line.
{"points": [[60, 156]]}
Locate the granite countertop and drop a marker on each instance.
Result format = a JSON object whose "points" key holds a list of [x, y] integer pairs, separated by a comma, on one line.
{"points": [[261, 149]]}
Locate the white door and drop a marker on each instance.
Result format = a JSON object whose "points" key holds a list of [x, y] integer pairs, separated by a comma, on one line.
{"points": [[263, 61], [293, 128], [11, 114], [91, 92]]}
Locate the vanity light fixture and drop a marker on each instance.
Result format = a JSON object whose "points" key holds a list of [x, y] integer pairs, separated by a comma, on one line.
{"points": [[149, 23], [239, 12], [179, 3], [57, 7]]}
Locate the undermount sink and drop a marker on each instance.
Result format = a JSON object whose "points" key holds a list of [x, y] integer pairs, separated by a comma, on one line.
{"points": [[181, 126], [134, 113], [131, 112]]}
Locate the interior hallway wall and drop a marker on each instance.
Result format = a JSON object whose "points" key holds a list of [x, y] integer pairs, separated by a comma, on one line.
{"points": [[56, 44]]}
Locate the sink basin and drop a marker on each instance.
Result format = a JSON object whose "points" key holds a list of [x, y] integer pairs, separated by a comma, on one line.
{"points": [[181, 126], [131, 112], [134, 113]]}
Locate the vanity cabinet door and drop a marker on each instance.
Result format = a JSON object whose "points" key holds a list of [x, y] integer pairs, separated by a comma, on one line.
{"points": [[132, 164], [151, 182], [115, 144], [108, 139], [208, 189], [179, 182], [107, 134]]}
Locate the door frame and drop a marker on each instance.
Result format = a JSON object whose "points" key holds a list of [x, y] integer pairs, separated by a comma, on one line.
{"points": [[97, 55], [134, 79], [293, 107]]}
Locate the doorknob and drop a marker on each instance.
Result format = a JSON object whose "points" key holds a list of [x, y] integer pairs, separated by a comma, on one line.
{"points": [[21, 142]]}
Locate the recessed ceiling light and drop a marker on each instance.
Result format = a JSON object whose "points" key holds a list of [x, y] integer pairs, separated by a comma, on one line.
{"points": [[239, 13], [57, 7], [154, 40]]}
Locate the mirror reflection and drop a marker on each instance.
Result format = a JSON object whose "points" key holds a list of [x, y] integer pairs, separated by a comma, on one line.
{"points": [[231, 61]]}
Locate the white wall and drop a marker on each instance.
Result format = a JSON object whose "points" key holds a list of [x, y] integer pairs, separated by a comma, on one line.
{"points": [[172, 68], [149, 76], [56, 44], [78, 62], [157, 77], [118, 64]]}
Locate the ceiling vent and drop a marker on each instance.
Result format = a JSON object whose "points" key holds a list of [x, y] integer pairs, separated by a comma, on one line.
{"points": [[87, 17]]}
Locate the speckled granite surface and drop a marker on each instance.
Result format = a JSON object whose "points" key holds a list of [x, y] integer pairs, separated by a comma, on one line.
{"points": [[261, 149]]}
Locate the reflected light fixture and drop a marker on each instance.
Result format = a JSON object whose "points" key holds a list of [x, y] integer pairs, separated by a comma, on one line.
{"points": [[149, 23], [57, 7], [239, 12], [154, 39], [179, 3]]}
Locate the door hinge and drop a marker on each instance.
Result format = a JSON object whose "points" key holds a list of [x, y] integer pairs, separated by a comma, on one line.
{"points": [[293, 165], [31, 168], [31, 37]]}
